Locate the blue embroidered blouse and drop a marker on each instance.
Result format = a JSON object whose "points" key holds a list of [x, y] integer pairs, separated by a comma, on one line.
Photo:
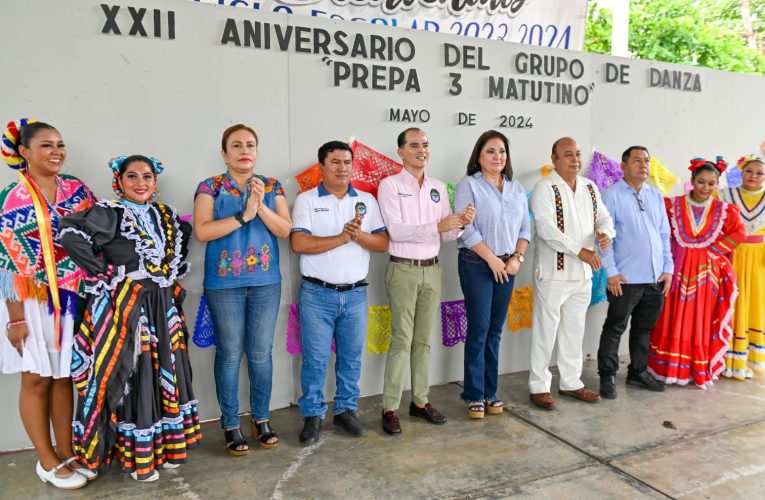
{"points": [[248, 256]]}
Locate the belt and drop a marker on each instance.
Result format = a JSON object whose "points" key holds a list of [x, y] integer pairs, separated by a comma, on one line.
{"points": [[332, 286], [503, 257], [415, 262], [755, 238]]}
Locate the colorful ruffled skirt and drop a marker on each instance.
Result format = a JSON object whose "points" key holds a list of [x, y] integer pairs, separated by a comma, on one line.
{"points": [[748, 344], [131, 367], [691, 338]]}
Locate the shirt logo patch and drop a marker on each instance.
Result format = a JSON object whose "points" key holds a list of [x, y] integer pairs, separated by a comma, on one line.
{"points": [[361, 210], [320, 209], [435, 195]]}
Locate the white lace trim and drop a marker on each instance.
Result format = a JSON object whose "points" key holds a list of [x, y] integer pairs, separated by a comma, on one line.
{"points": [[76, 231], [148, 252], [104, 284], [709, 240]]}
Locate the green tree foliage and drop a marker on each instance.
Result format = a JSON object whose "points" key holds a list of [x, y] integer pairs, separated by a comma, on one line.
{"points": [[597, 35], [701, 32]]}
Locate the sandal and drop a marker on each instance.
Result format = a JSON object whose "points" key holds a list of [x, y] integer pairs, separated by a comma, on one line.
{"points": [[494, 406], [263, 432], [235, 441], [475, 410]]}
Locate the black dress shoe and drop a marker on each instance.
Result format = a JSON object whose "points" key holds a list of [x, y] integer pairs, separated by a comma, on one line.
{"points": [[390, 422], [349, 423], [607, 387], [646, 381], [427, 412], [310, 433]]}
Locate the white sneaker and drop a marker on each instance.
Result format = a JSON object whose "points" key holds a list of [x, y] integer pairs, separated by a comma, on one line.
{"points": [[168, 465], [748, 373], [154, 476], [71, 482], [83, 471]]}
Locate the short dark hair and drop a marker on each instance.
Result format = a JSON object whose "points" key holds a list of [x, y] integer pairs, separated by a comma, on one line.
{"points": [[136, 158], [30, 130], [330, 146], [235, 128], [401, 139], [629, 150], [708, 166], [473, 165]]}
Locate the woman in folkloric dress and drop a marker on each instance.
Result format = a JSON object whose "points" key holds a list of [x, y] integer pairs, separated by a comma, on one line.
{"points": [[691, 338], [130, 361], [748, 344], [39, 284]]}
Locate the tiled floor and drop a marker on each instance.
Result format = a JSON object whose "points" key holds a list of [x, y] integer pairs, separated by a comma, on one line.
{"points": [[684, 442]]}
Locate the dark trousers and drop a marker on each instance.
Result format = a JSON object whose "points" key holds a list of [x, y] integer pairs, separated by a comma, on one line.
{"points": [[486, 303], [643, 303]]}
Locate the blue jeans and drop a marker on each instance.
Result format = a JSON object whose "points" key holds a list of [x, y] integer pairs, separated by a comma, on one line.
{"points": [[244, 319], [486, 304], [327, 314]]}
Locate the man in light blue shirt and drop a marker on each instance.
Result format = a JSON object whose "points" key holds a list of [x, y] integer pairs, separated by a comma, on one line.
{"points": [[639, 267]]}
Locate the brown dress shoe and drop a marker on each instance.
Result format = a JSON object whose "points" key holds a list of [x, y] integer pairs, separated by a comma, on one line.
{"points": [[427, 412], [543, 400], [583, 394], [390, 422]]}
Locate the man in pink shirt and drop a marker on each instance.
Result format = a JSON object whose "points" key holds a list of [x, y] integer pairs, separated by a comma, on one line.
{"points": [[416, 212]]}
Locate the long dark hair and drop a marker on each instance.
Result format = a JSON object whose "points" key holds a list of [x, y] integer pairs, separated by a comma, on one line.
{"points": [[473, 166]]}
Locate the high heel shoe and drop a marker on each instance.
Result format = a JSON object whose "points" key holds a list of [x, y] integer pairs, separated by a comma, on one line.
{"points": [[263, 432], [475, 409], [71, 482]]}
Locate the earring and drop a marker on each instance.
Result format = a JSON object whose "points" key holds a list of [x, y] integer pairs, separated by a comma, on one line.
{"points": [[155, 195]]}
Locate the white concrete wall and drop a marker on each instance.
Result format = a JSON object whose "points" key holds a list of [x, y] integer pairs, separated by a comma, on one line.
{"points": [[112, 95]]}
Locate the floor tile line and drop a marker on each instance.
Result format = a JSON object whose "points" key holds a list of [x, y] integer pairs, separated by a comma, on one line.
{"points": [[685, 439], [581, 450], [477, 493]]}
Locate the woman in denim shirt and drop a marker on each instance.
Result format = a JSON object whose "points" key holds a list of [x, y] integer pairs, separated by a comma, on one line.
{"points": [[240, 215], [490, 253]]}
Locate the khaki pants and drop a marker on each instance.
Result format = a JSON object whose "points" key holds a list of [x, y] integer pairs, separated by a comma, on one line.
{"points": [[414, 294]]}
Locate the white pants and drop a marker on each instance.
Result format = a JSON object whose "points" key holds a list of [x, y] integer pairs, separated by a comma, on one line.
{"points": [[560, 310]]}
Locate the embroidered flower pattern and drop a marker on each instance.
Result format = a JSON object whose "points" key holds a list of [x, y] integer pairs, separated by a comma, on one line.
{"points": [[236, 263], [222, 184]]}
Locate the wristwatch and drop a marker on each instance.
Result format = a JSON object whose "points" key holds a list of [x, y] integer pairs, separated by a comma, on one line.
{"points": [[240, 218], [519, 256]]}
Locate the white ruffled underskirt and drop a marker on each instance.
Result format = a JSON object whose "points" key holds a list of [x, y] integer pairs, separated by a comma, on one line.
{"points": [[40, 355]]}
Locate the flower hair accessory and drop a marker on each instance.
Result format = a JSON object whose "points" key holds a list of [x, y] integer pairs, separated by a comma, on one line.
{"points": [[10, 144], [746, 160], [719, 164], [696, 164], [116, 163]]}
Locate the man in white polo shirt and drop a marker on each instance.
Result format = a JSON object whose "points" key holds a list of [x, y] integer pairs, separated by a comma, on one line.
{"points": [[334, 229]]}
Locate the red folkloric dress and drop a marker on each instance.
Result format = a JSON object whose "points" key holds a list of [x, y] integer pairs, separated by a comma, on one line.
{"points": [[693, 333]]}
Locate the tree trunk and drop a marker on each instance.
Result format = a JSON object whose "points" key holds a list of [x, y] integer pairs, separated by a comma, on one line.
{"points": [[746, 15]]}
